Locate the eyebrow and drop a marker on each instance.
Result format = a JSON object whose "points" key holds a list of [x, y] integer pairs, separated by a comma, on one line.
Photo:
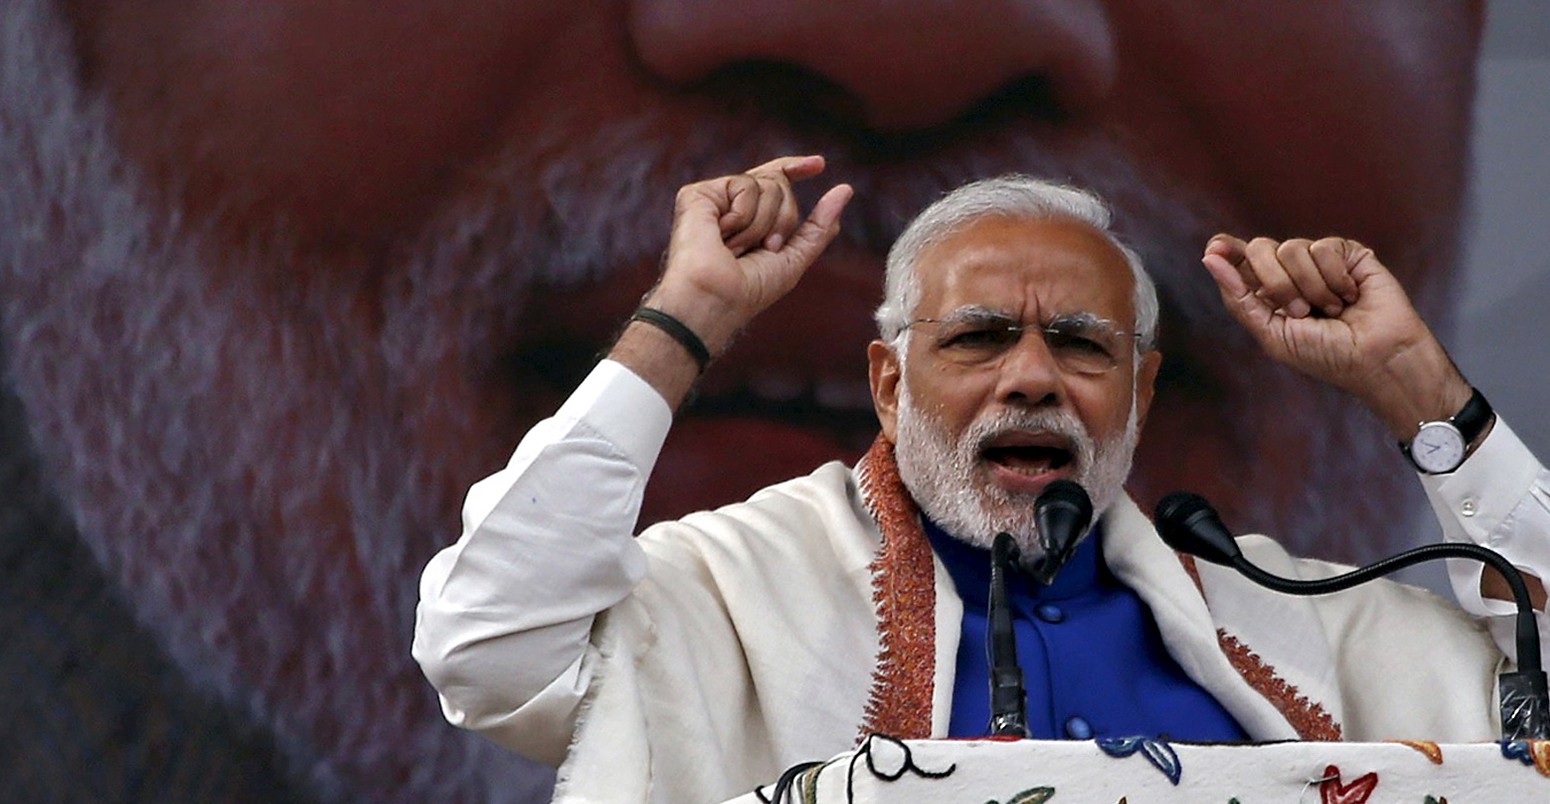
{"points": [[975, 313], [1085, 317]]}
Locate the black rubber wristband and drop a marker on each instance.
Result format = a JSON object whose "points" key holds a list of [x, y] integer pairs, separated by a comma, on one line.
{"points": [[678, 331]]}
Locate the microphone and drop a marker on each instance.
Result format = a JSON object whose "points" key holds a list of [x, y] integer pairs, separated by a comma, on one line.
{"points": [[1061, 513], [1190, 525]]}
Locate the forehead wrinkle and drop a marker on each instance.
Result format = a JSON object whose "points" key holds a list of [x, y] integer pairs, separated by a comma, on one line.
{"points": [[1035, 299]]}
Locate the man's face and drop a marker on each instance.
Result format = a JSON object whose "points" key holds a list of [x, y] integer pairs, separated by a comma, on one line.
{"points": [[288, 277], [1022, 410], [366, 127]]}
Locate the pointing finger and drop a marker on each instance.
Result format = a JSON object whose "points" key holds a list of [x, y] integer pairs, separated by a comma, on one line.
{"points": [[794, 168]]}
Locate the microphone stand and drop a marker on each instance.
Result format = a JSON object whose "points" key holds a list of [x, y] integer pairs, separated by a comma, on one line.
{"points": [[1008, 697], [1525, 695], [1061, 512]]}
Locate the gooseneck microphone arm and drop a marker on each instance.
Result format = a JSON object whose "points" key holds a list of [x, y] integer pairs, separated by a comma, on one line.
{"points": [[1190, 525], [1008, 697]]}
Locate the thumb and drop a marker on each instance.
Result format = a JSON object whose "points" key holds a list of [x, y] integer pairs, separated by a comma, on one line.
{"points": [[819, 230]]}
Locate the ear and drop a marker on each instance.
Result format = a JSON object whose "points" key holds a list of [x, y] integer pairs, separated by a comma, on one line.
{"points": [[884, 373], [1146, 385]]}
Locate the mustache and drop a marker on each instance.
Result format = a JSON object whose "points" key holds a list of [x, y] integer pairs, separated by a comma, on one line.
{"points": [[554, 212], [1062, 423], [555, 215]]}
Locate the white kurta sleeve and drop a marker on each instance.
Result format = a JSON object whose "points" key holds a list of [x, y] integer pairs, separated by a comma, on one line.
{"points": [[1499, 498], [501, 630]]}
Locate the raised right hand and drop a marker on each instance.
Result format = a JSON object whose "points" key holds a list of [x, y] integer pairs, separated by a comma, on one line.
{"points": [[739, 243]]}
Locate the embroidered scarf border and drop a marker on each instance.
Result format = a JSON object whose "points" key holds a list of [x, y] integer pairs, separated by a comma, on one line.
{"points": [[904, 592], [1308, 718]]}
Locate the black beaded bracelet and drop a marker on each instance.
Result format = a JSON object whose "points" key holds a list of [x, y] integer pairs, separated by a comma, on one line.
{"points": [[678, 331]]}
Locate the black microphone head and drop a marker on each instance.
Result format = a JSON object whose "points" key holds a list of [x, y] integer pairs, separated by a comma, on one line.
{"points": [[1190, 525], [1061, 513], [1066, 494]]}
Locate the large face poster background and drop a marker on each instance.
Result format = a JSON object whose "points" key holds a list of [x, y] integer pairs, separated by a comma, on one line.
{"points": [[281, 281]]}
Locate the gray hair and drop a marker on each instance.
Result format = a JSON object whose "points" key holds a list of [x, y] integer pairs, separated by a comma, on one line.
{"points": [[1009, 196]]}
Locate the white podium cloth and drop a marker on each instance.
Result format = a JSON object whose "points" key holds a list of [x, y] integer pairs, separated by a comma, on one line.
{"points": [[1151, 771]]}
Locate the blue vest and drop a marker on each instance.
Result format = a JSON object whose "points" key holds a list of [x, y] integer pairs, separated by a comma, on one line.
{"points": [[1093, 660]]}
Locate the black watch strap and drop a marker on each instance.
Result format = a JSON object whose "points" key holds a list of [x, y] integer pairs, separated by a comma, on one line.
{"points": [[1473, 417]]}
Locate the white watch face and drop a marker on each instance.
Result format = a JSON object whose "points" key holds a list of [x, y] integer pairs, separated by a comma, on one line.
{"points": [[1438, 447]]}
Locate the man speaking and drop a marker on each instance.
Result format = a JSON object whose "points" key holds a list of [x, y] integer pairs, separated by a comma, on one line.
{"points": [[1017, 346]]}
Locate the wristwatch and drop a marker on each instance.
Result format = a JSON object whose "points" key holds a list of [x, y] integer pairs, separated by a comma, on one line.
{"points": [[1439, 447]]}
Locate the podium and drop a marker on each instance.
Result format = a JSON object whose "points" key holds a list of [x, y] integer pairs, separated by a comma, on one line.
{"points": [[1147, 771]]}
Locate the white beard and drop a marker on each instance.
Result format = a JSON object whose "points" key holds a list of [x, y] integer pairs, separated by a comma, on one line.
{"points": [[948, 479]]}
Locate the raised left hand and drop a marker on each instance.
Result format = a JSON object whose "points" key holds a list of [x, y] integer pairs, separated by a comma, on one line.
{"points": [[1330, 309]]}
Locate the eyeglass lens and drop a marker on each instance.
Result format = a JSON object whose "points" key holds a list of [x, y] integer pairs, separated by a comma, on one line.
{"points": [[1079, 344]]}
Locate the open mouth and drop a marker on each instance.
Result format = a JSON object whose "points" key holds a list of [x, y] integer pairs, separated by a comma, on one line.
{"points": [[1028, 459], [729, 443], [839, 412], [1024, 460]]}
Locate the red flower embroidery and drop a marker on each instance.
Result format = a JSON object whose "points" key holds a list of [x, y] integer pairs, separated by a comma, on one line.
{"points": [[1331, 791]]}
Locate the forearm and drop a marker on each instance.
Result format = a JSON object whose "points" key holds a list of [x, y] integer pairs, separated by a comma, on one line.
{"points": [[546, 545], [1415, 383], [655, 357], [505, 614]]}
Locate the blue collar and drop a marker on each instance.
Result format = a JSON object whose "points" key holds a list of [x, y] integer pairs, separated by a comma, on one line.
{"points": [[1094, 662]]}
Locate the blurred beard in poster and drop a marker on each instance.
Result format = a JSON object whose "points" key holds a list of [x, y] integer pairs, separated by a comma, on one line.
{"points": [[262, 439]]}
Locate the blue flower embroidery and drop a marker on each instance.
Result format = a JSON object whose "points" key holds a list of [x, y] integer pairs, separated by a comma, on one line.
{"points": [[1517, 749], [1156, 751]]}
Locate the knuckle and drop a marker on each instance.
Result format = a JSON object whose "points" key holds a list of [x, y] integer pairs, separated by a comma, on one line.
{"points": [[686, 194], [1327, 246], [1291, 248]]}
